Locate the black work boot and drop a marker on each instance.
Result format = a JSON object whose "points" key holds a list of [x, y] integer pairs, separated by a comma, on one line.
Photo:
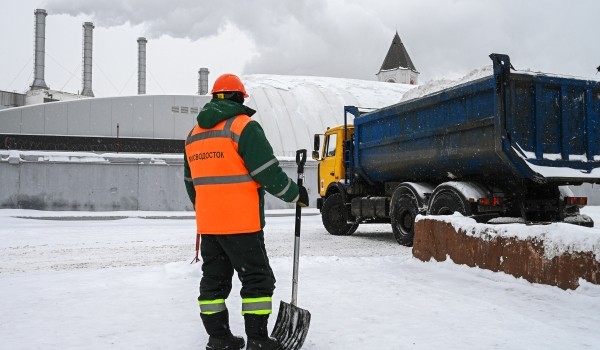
{"points": [[258, 335], [266, 344], [220, 337], [229, 342]]}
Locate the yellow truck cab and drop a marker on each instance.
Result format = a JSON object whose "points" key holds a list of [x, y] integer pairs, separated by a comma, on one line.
{"points": [[331, 157]]}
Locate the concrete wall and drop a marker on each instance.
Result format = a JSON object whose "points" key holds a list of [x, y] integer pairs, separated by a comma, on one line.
{"points": [[103, 182], [107, 182]]}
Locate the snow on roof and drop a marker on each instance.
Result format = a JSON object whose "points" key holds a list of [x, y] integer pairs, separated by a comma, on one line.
{"points": [[291, 109]]}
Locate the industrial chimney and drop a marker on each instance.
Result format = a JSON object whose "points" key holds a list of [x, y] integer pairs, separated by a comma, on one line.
{"points": [[142, 65], [40, 50], [203, 81], [88, 28]]}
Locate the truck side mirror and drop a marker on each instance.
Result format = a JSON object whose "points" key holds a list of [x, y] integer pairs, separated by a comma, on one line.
{"points": [[316, 147], [315, 155]]}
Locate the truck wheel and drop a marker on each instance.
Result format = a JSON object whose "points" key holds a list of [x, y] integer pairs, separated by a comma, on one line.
{"points": [[403, 219], [335, 216], [448, 201]]}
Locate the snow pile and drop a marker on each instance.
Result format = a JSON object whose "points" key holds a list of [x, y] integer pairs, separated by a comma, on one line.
{"points": [[442, 84], [557, 238]]}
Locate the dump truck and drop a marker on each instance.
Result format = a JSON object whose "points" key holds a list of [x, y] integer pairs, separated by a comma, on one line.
{"points": [[502, 148]]}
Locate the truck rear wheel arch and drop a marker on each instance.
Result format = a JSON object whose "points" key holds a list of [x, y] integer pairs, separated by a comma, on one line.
{"points": [[446, 202], [419, 190], [455, 196], [336, 187]]}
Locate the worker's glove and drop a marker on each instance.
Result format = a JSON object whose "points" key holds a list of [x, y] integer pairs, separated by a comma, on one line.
{"points": [[302, 196]]}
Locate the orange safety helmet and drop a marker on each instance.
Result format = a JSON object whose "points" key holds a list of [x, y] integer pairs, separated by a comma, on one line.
{"points": [[229, 83]]}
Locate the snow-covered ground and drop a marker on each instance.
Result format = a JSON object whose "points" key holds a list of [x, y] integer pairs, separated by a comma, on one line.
{"points": [[122, 280]]}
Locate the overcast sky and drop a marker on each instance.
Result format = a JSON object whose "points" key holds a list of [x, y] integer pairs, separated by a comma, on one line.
{"points": [[336, 38]]}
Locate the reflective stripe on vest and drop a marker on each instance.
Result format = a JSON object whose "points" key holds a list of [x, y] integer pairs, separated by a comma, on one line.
{"points": [[216, 180], [226, 133], [209, 307], [227, 199], [257, 306]]}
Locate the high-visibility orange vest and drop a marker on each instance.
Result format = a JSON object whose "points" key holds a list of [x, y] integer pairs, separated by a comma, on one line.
{"points": [[226, 195]]}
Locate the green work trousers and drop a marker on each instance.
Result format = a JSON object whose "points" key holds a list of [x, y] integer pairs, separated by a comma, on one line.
{"points": [[245, 253]]}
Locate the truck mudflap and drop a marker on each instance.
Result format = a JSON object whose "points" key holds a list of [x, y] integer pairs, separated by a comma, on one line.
{"points": [[319, 203]]}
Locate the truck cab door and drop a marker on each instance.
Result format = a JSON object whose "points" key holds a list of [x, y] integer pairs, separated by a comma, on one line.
{"points": [[331, 165]]}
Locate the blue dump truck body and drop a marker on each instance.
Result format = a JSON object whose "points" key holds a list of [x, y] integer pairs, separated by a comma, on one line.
{"points": [[531, 126], [502, 146]]}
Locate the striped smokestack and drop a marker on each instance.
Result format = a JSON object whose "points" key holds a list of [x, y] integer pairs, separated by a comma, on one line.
{"points": [[88, 28], [142, 65], [40, 50]]}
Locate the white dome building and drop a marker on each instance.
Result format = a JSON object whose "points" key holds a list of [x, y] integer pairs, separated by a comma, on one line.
{"points": [[291, 109]]}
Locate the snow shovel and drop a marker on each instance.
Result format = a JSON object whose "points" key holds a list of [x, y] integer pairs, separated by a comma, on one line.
{"points": [[292, 322]]}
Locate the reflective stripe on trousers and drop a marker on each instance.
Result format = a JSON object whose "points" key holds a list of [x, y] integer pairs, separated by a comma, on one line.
{"points": [[209, 307], [257, 306]]}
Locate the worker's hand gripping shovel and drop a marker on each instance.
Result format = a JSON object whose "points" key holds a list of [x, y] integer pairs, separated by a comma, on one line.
{"points": [[292, 322]]}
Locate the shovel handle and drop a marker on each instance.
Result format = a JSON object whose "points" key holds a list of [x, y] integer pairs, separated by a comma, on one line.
{"points": [[300, 160]]}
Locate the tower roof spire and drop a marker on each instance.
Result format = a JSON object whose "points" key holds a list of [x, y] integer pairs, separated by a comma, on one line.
{"points": [[397, 56]]}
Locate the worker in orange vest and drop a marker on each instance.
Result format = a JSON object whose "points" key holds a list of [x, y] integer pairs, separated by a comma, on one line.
{"points": [[229, 164]]}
